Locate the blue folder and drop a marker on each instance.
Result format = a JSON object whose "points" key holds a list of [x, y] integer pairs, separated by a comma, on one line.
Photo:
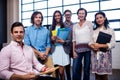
{"points": [[63, 33]]}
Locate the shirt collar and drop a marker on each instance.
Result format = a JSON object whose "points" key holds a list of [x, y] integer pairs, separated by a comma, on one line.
{"points": [[37, 28], [67, 23], [15, 43]]}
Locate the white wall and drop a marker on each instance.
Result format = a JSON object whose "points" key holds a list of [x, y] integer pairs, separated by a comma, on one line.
{"points": [[12, 15], [116, 56]]}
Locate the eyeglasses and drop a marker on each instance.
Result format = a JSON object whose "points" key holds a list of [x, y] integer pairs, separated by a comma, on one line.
{"points": [[67, 14]]}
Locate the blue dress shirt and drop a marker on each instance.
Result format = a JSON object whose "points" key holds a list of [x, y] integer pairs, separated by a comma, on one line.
{"points": [[38, 38]]}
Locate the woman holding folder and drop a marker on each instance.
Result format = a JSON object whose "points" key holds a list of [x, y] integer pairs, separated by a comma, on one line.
{"points": [[101, 50], [60, 43]]}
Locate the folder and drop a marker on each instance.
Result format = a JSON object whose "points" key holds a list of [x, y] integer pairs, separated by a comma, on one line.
{"points": [[103, 38], [54, 32], [63, 33], [49, 71]]}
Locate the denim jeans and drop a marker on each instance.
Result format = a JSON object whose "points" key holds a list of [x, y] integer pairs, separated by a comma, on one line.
{"points": [[77, 66]]}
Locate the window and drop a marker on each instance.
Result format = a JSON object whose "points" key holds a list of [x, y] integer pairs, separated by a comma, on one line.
{"points": [[112, 15], [68, 2], [27, 7], [40, 5], [73, 8], [88, 1], [54, 3], [91, 6], [111, 4], [26, 15], [26, 1], [47, 7], [117, 35]]}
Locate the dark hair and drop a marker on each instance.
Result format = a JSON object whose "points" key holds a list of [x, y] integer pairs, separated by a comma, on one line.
{"points": [[34, 15], [67, 11], [82, 9], [54, 22], [106, 22], [16, 24]]}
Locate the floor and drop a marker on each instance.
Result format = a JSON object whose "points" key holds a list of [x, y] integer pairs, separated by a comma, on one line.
{"points": [[115, 75]]}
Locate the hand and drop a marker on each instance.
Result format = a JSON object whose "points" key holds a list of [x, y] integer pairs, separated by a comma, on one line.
{"points": [[48, 70], [92, 46], [53, 38], [75, 54], [45, 68], [95, 46], [29, 76], [43, 56], [60, 40]]}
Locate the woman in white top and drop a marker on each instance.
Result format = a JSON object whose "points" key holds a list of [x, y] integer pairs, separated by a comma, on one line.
{"points": [[82, 32], [101, 54]]}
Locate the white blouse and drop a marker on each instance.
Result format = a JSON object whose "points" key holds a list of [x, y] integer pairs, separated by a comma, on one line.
{"points": [[82, 34], [108, 31]]}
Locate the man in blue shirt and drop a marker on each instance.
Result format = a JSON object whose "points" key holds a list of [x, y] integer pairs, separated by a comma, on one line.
{"points": [[38, 37]]}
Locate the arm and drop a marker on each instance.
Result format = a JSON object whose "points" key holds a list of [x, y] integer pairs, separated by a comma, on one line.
{"points": [[40, 54], [111, 44], [5, 73], [23, 77], [36, 64], [27, 41], [74, 53], [68, 41], [48, 44], [96, 46], [74, 42]]}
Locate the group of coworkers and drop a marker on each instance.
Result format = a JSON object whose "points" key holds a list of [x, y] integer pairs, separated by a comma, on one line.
{"points": [[34, 50]]}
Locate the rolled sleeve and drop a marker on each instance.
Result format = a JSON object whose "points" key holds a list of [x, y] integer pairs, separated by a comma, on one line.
{"points": [[112, 42], [37, 65], [48, 40], [73, 34], [6, 74], [4, 64]]}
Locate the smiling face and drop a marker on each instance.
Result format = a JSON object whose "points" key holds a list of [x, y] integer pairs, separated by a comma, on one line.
{"points": [[57, 17], [81, 14], [18, 34], [38, 19], [100, 19], [68, 16]]}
